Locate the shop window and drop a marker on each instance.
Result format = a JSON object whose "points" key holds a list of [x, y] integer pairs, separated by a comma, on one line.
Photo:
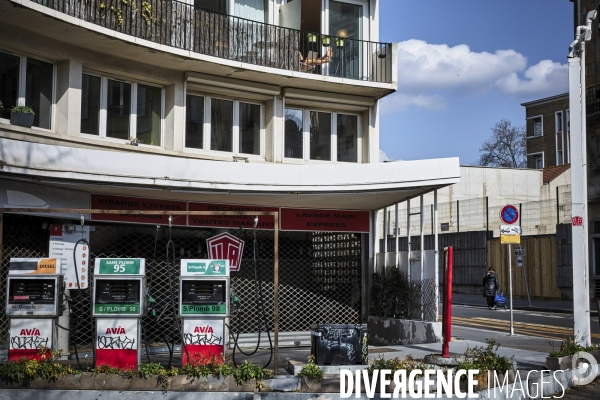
{"points": [[328, 136], [36, 92], [121, 110], [233, 126]]}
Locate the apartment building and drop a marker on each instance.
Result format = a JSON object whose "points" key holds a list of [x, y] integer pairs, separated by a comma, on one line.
{"points": [[214, 105], [547, 130]]}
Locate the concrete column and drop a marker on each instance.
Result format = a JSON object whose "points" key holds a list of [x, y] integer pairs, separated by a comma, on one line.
{"points": [[174, 124], [370, 136], [68, 97], [274, 128]]}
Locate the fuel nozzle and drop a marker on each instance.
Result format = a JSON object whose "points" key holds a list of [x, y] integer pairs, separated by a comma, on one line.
{"points": [[150, 302]]}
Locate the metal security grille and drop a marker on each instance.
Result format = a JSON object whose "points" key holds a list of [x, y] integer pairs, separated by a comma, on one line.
{"points": [[319, 274]]}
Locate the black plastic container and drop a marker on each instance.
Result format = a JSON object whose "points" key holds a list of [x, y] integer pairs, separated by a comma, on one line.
{"points": [[339, 344]]}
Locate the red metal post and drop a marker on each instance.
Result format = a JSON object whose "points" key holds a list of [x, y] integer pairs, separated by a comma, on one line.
{"points": [[447, 317]]}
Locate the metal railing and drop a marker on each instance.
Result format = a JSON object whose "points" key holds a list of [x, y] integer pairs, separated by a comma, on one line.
{"points": [[184, 26]]}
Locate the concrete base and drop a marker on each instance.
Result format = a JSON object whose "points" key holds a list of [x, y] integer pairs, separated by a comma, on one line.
{"points": [[294, 367], [389, 331]]}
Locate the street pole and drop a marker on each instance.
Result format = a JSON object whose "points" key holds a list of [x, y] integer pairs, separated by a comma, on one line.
{"points": [[512, 325], [579, 226]]}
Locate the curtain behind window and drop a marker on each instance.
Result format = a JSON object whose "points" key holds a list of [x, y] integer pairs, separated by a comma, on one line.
{"points": [[251, 9]]}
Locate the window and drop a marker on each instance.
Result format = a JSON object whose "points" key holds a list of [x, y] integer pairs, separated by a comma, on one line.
{"points": [[320, 136], [559, 157], [255, 10], [121, 110], [194, 122], [347, 138], [323, 136], [294, 147], [558, 122], [36, 92], [568, 138], [538, 160], [9, 82], [231, 125], [537, 126]]}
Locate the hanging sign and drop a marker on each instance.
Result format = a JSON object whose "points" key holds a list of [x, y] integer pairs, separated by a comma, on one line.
{"points": [[117, 342], [299, 219], [30, 338], [203, 339], [266, 222], [62, 243], [106, 202], [226, 247]]}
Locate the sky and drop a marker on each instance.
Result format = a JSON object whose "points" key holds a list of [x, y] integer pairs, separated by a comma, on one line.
{"points": [[464, 65]]}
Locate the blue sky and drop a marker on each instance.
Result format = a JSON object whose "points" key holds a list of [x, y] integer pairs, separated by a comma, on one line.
{"points": [[463, 65]]}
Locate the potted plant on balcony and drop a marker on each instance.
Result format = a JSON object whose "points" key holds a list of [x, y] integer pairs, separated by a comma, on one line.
{"points": [[22, 116]]}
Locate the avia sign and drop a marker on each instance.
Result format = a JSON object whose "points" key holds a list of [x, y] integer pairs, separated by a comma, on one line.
{"points": [[226, 247]]}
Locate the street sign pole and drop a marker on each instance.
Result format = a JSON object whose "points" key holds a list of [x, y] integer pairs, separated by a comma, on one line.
{"points": [[512, 327], [525, 275]]}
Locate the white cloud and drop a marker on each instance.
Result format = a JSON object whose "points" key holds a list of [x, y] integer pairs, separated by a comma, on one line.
{"points": [[426, 67], [383, 157], [402, 101], [429, 73], [542, 79]]}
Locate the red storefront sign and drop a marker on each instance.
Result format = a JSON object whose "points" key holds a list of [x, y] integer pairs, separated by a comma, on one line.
{"points": [[107, 202], [577, 221], [303, 219], [266, 222]]}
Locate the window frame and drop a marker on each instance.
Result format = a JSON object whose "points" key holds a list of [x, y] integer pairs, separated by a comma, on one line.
{"points": [[306, 135], [206, 131], [533, 118], [103, 112], [536, 154], [568, 135], [22, 85], [559, 131]]}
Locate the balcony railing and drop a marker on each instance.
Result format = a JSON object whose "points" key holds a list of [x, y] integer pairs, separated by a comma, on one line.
{"points": [[186, 27]]}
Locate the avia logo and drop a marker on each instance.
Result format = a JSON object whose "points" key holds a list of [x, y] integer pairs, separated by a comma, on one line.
{"points": [[30, 332], [203, 329], [116, 331]]}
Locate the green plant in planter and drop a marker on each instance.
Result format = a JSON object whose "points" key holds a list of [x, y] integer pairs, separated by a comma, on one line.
{"points": [[24, 370], [485, 359], [22, 109], [570, 346], [408, 364], [312, 370]]}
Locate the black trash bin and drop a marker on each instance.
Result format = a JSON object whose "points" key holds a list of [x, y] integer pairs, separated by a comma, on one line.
{"points": [[339, 344]]}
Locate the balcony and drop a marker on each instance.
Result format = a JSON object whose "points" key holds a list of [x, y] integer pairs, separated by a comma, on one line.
{"points": [[185, 27]]}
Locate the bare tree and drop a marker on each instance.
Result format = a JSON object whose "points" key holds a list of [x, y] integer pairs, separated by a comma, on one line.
{"points": [[506, 148]]}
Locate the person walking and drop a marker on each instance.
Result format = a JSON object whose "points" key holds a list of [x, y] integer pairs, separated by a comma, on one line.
{"points": [[490, 287]]}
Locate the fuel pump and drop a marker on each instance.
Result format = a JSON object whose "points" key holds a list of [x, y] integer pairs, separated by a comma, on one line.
{"points": [[33, 304], [203, 306], [118, 304]]}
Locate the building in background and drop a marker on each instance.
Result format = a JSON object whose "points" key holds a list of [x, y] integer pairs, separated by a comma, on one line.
{"points": [[547, 131]]}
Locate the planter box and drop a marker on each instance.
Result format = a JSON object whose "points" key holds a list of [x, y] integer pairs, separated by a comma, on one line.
{"points": [[390, 331], [564, 363], [330, 384], [21, 119]]}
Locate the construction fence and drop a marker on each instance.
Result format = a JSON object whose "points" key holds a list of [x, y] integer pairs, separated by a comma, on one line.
{"points": [[535, 218]]}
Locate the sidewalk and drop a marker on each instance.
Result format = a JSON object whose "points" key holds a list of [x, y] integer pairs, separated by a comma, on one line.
{"points": [[555, 306]]}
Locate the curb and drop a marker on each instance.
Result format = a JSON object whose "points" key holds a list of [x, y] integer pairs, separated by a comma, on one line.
{"points": [[593, 313]]}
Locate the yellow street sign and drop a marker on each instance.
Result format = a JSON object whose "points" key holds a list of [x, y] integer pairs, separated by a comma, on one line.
{"points": [[510, 239]]}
